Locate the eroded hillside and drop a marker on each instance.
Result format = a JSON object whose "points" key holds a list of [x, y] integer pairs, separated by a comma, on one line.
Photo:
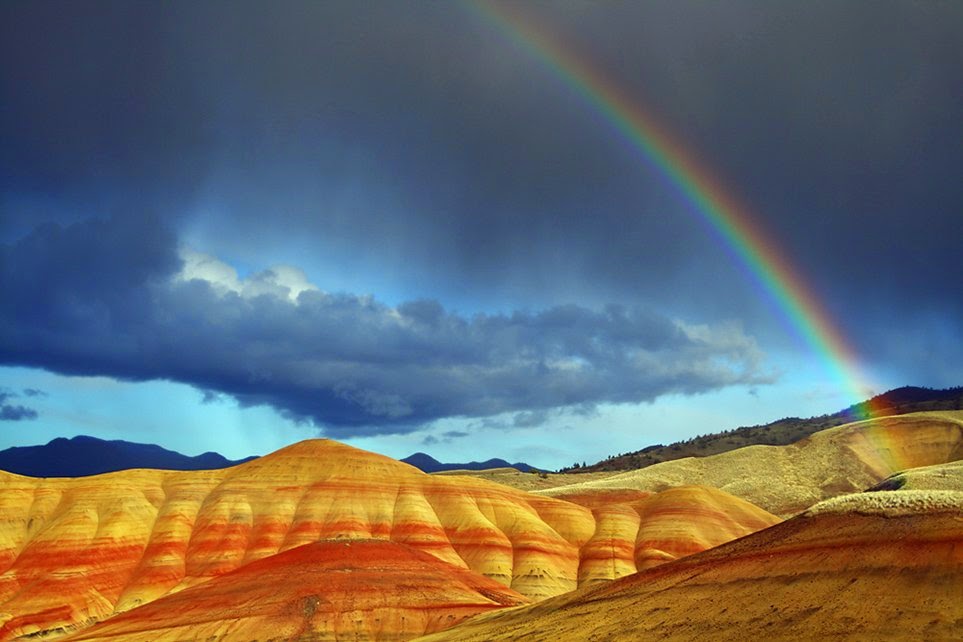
{"points": [[785, 480], [334, 589], [75, 551], [782, 432], [874, 566]]}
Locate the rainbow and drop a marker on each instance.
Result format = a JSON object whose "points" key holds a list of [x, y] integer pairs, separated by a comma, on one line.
{"points": [[728, 220]]}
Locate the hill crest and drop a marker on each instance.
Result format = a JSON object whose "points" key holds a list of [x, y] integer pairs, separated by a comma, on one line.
{"points": [[131, 537], [782, 432]]}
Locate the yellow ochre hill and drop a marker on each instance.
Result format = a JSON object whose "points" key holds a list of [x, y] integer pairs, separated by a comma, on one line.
{"points": [[785, 480], [77, 551], [873, 566]]}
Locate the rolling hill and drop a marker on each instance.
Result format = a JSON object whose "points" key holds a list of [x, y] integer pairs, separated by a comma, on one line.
{"points": [[785, 480], [332, 589], [77, 551], [875, 566], [783, 432], [320, 540]]}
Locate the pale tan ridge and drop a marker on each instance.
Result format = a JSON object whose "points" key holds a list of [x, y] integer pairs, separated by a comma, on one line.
{"points": [[786, 480]]}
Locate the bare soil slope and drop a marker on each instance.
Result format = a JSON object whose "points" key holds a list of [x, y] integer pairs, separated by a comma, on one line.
{"points": [[874, 566], [636, 530], [527, 481], [947, 476], [785, 480], [331, 590], [77, 551], [785, 431]]}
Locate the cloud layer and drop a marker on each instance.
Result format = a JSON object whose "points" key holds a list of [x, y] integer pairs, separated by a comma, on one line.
{"points": [[416, 152], [17, 412], [118, 298]]}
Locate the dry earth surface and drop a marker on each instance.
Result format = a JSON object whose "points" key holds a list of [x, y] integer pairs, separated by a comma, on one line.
{"points": [[77, 551], [528, 481], [336, 589], [947, 476], [786, 480], [322, 541], [875, 566], [782, 432]]}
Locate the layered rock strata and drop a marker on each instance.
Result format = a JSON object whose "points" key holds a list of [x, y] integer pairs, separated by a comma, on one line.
{"points": [[875, 566], [332, 590], [77, 551], [636, 530]]}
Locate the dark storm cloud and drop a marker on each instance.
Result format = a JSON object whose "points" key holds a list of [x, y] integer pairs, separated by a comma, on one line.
{"points": [[420, 139], [210, 396], [837, 124], [445, 437], [14, 412], [357, 123], [99, 298]]}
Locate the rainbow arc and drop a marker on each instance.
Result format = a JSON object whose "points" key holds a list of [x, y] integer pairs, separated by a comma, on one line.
{"points": [[730, 221]]}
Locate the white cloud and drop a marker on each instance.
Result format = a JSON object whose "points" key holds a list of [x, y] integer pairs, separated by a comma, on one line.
{"points": [[281, 281]]}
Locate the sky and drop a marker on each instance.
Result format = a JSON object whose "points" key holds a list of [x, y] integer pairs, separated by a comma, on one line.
{"points": [[414, 226]]}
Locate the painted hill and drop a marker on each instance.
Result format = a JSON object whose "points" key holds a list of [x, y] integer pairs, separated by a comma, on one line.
{"points": [[877, 566], [637, 530], [527, 481], [899, 401], [81, 456], [947, 476], [344, 589], [76, 551], [429, 464], [785, 480]]}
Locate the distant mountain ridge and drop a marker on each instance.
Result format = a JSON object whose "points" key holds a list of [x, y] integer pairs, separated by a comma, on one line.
{"points": [[429, 464], [782, 432], [82, 456]]}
